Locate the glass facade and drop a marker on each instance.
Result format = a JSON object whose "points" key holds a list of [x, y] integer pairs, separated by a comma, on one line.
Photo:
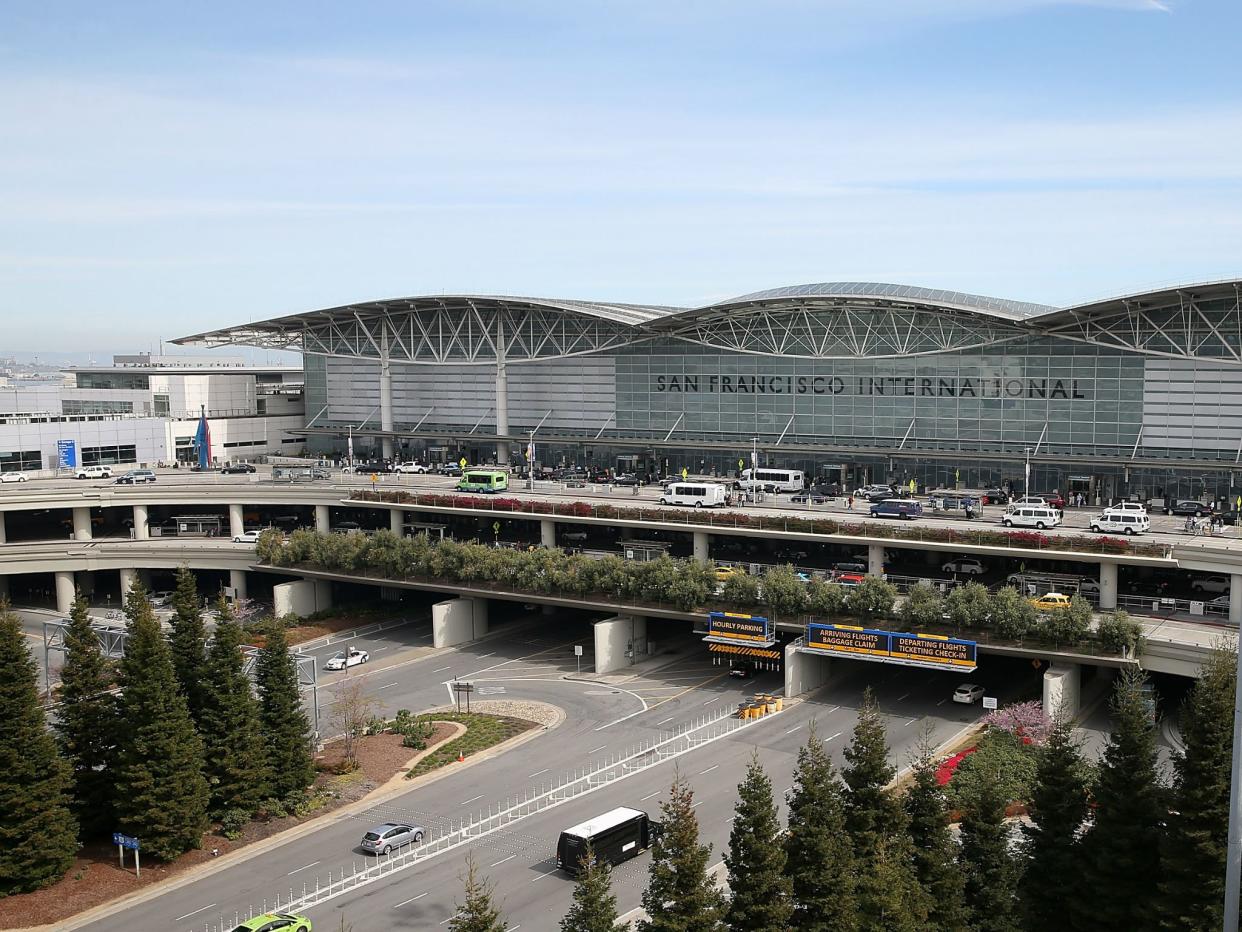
{"points": [[71, 406], [127, 380]]}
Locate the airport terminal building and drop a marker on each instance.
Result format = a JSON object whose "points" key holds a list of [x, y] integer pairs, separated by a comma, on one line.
{"points": [[1138, 394]]}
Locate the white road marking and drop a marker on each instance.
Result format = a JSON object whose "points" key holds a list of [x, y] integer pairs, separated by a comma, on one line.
{"points": [[649, 795], [710, 701], [514, 928], [903, 697], [669, 719], [302, 868], [472, 799], [541, 876], [941, 702], [450, 918], [696, 805], [709, 769], [410, 900], [833, 709], [376, 650], [485, 656], [792, 730], [439, 670], [388, 686], [600, 748], [502, 860], [536, 773], [199, 910], [837, 735], [909, 723]]}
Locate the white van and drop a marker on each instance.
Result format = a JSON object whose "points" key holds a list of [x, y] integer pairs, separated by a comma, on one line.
{"points": [[1036, 516], [1126, 508], [1120, 522], [696, 494], [772, 480]]}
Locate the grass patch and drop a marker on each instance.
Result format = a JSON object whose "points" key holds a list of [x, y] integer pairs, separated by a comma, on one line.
{"points": [[482, 732]]}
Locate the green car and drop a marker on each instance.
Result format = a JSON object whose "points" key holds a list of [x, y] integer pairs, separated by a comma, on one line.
{"points": [[275, 922]]}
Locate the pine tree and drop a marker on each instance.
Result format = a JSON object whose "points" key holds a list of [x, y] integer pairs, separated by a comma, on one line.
{"points": [[991, 875], [1193, 891], [818, 852], [161, 793], [935, 852], [233, 744], [282, 720], [760, 892], [188, 640], [680, 897], [594, 907], [1122, 848], [1052, 856], [86, 722], [38, 834], [478, 913], [889, 896], [871, 812]]}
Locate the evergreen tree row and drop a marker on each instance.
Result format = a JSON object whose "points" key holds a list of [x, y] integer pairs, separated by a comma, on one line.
{"points": [[155, 745]]}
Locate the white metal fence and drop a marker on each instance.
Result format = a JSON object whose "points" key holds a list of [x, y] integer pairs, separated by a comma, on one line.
{"points": [[531, 801]]}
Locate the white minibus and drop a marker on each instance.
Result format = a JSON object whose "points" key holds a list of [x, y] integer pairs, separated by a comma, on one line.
{"points": [[695, 494], [772, 480], [1028, 515]]}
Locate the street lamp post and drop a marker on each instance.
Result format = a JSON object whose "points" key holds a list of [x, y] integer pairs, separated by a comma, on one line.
{"points": [[1026, 486], [754, 466]]}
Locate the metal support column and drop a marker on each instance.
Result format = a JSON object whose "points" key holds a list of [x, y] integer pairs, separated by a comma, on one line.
{"points": [[502, 394], [385, 393]]}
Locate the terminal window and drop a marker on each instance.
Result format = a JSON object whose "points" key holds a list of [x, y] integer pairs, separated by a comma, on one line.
{"points": [[18, 460], [108, 456]]}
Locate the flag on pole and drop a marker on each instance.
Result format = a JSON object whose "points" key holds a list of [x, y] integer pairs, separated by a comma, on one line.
{"points": [[202, 439]]}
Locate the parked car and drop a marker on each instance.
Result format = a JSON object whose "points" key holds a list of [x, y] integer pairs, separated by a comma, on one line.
{"points": [[93, 472], [967, 566], [847, 566], [1055, 499], [412, 468], [1190, 507], [874, 489], [1216, 583], [342, 660], [848, 579], [247, 537], [237, 469], [383, 838], [320, 473], [724, 573], [135, 477], [1050, 601], [740, 673], [449, 469], [347, 526], [968, 693], [1138, 508], [994, 497], [275, 922], [13, 477], [816, 498], [627, 478], [576, 537]]}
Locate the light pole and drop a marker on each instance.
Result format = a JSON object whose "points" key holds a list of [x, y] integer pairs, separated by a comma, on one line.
{"points": [[530, 463], [1026, 486], [754, 466]]}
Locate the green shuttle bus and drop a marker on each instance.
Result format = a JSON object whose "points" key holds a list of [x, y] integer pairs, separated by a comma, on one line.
{"points": [[483, 480]]}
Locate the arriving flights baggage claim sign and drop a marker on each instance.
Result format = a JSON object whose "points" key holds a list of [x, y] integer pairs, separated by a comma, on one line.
{"points": [[933, 651]]}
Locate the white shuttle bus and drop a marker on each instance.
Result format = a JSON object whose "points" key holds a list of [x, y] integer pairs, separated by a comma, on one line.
{"points": [[695, 494], [772, 480]]}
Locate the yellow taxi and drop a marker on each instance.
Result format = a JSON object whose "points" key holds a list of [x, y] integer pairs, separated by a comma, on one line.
{"points": [[1050, 602], [724, 573]]}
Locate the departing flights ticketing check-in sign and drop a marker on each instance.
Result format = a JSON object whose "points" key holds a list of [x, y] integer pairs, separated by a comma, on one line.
{"points": [[914, 650]]}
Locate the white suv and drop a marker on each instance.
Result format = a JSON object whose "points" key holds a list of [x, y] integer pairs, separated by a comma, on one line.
{"points": [[93, 472], [1126, 508], [411, 467]]}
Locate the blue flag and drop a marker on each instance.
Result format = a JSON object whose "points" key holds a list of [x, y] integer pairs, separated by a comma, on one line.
{"points": [[202, 440]]}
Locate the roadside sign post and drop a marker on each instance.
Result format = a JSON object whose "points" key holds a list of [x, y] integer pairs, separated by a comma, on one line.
{"points": [[461, 688], [989, 702], [578, 656], [496, 530], [462, 462], [129, 842]]}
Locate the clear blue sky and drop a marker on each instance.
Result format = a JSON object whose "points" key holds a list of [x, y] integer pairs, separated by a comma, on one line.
{"points": [[169, 167]]}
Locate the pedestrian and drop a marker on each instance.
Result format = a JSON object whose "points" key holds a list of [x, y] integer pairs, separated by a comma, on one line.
{"points": [[849, 503]]}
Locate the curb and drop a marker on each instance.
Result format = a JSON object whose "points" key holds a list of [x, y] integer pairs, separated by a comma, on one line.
{"points": [[376, 796]]}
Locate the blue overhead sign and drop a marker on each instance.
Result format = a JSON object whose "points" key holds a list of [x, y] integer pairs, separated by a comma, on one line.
{"points": [[931, 651], [66, 454]]}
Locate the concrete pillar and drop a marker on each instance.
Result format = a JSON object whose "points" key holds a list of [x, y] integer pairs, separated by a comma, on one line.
{"points": [[237, 521], [385, 387], [458, 621], [700, 547], [1108, 586], [127, 581], [3, 536], [804, 672], [502, 394], [237, 580], [620, 642], [304, 597], [322, 520], [547, 532], [396, 521], [64, 591], [141, 531], [1062, 689], [81, 524], [875, 559], [1235, 599]]}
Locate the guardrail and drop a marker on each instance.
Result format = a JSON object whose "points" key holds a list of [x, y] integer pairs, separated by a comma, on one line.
{"points": [[342, 636], [514, 809]]}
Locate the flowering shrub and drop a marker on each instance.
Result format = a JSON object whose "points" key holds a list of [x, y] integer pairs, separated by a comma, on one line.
{"points": [[1024, 720], [948, 767]]}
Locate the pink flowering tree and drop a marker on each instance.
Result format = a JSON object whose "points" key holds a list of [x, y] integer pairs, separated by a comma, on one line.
{"points": [[1026, 720]]}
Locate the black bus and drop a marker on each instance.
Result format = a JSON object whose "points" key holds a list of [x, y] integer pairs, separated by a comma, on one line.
{"points": [[615, 836]]}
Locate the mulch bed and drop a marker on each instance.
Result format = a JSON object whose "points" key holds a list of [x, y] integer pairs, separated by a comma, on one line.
{"points": [[96, 876]]}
